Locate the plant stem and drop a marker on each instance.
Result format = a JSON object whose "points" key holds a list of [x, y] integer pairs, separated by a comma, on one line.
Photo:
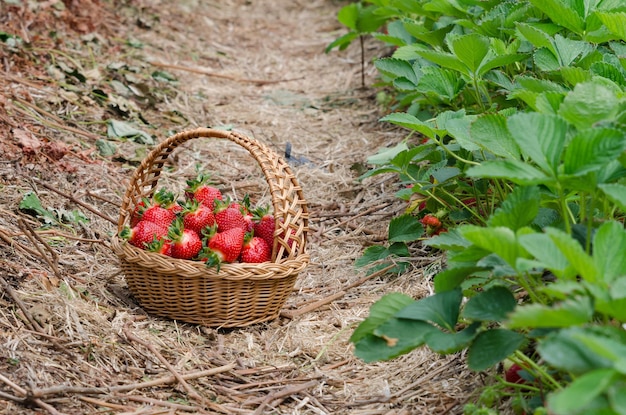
{"points": [[362, 41], [537, 369], [564, 209], [453, 154]]}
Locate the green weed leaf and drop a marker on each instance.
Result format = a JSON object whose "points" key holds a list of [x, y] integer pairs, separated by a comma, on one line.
{"points": [[491, 347]]}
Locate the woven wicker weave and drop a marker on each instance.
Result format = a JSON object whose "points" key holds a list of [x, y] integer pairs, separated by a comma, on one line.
{"points": [[239, 294]]}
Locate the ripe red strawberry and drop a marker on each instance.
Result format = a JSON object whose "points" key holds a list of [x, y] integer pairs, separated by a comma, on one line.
{"points": [[163, 198], [264, 225], [224, 247], [255, 249], [228, 217], [186, 244], [143, 233], [512, 374], [197, 216], [199, 190], [159, 215], [244, 208], [431, 220]]}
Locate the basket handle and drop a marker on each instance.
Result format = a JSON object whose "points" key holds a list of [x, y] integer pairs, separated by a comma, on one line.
{"points": [[290, 207]]}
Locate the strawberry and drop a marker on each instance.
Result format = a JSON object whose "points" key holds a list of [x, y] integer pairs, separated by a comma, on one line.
{"points": [[255, 249], [512, 374], [198, 189], [143, 233], [162, 198], [186, 244], [431, 220], [224, 247], [197, 216], [159, 215], [228, 217], [160, 246], [244, 208], [264, 225]]}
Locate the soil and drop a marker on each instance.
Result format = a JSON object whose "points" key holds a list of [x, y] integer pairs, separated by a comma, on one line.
{"points": [[73, 338]]}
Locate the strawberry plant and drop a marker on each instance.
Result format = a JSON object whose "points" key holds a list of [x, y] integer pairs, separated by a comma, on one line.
{"points": [[516, 144]]}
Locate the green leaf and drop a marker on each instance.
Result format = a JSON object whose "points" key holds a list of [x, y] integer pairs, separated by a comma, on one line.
{"points": [[446, 60], [120, 129], [609, 245], [577, 257], [490, 133], [568, 313], [105, 148], [385, 155], [459, 128], [564, 351], [443, 83], [30, 203], [409, 121], [446, 343], [562, 14], [500, 61], [381, 311], [616, 193], [405, 228], [491, 347], [542, 247], [493, 304], [567, 50], [589, 103], [449, 241], [581, 392], [592, 149], [514, 170], [519, 209], [615, 22], [392, 339], [471, 50], [537, 37], [342, 42], [348, 16], [452, 278], [441, 309], [499, 240], [541, 136], [395, 68]]}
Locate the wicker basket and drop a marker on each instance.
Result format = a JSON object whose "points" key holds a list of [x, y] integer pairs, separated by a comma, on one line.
{"points": [[239, 294]]}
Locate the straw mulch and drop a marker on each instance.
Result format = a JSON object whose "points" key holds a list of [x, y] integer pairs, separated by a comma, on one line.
{"points": [[72, 338]]}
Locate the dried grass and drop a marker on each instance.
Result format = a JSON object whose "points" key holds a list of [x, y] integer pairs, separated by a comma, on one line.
{"points": [[72, 339]]}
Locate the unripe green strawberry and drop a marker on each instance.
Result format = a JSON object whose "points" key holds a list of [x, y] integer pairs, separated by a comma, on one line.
{"points": [[255, 250]]}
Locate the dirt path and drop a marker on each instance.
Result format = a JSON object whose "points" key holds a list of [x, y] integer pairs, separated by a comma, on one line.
{"points": [[256, 67]]}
